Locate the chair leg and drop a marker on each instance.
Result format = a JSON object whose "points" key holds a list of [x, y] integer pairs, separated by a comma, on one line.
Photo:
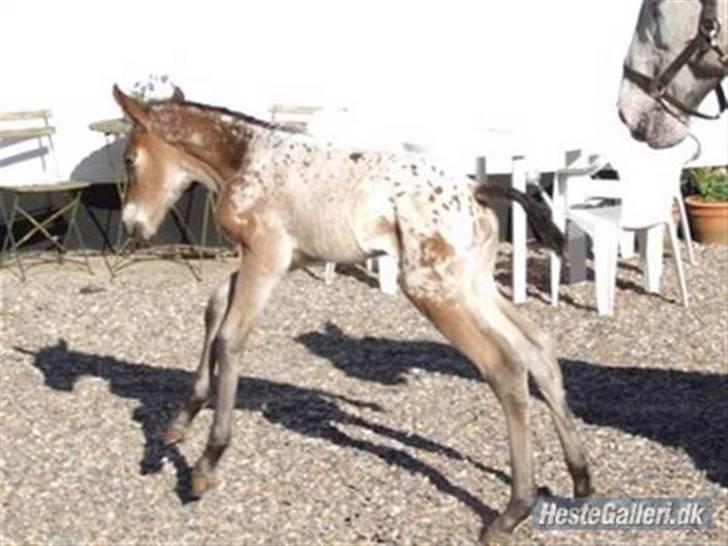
{"points": [[6, 241], [679, 269], [606, 247], [576, 240], [387, 274], [651, 245], [687, 234], [72, 209], [626, 244], [73, 224], [555, 278], [189, 242], [612, 279], [329, 271], [10, 246]]}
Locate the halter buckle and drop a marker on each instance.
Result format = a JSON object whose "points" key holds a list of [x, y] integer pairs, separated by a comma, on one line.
{"points": [[710, 28], [657, 90]]}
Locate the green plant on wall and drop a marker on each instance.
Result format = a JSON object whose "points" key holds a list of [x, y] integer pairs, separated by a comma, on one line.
{"points": [[710, 183]]}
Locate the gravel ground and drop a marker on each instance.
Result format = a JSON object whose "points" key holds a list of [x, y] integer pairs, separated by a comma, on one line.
{"points": [[355, 423]]}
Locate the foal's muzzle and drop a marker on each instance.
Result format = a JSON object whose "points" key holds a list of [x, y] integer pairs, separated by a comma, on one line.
{"points": [[136, 221]]}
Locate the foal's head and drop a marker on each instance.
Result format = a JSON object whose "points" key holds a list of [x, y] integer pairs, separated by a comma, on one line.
{"points": [[157, 170]]}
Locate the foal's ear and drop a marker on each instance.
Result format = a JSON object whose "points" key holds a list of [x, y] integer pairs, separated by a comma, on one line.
{"points": [[178, 95], [136, 111]]}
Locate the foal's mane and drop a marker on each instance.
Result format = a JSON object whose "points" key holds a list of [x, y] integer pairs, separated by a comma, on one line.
{"points": [[208, 108]]}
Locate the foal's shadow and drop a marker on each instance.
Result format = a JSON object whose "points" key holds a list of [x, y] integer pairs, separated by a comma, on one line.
{"points": [[311, 412], [383, 360], [685, 410]]}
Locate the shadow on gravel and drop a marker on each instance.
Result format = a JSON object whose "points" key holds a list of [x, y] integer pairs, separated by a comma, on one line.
{"points": [[311, 412], [384, 360], [685, 410]]}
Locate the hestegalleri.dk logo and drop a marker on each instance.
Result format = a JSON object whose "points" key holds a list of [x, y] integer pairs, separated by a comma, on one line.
{"points": [[552, 513]]}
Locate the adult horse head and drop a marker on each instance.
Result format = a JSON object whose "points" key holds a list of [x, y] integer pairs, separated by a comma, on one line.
{"points": [[678, 54]]}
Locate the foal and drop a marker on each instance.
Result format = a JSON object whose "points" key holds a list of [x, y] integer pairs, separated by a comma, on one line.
{"points": [[288, 200]]}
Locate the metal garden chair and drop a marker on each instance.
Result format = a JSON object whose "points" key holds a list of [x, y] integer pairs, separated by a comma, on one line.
{"points": [[27, 137]]}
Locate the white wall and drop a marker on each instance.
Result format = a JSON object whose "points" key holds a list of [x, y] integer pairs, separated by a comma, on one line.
{"points": [[542, 67]]}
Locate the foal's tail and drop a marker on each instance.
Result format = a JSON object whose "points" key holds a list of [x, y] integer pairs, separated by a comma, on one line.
{"points": [[537, 212]]}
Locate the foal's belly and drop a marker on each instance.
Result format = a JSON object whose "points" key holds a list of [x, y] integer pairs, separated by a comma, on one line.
{"points": [[341, 228], [328, 238]]}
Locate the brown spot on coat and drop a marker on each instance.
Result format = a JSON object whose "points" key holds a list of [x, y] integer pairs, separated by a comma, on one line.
{"points": [[435, 249], [356, 156]]}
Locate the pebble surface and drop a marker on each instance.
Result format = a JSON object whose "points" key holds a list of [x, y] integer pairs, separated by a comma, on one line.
{"points": [[355, 422]]}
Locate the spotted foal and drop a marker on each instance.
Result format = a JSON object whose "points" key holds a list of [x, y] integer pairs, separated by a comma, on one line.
{"points": [[288, 200]]}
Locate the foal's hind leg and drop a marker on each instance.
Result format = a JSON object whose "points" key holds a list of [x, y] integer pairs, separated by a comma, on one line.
{"points": [[487, 349], [217, 307], [546, 372]]}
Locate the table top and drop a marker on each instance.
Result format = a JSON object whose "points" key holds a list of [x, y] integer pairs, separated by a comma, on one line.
{"points": [[45, 187], [118, 126]]}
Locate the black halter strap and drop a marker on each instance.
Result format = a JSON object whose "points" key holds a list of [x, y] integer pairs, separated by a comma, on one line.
{"points": [[658, 92], [704, 40]]}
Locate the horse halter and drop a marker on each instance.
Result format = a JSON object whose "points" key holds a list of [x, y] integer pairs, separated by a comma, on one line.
{"points": [[705, 40]]}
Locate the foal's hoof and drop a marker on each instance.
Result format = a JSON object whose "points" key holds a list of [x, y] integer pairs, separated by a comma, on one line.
{"points": [[174, 435], [200, 483], [492, 536], [583, 483], [584, 490]]}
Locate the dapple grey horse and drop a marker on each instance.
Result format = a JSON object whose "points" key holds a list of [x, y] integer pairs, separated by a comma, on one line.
{"points": [[678, 54]]}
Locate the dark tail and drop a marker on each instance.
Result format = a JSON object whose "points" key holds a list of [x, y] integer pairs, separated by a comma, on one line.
{"points": [[537, 212]]}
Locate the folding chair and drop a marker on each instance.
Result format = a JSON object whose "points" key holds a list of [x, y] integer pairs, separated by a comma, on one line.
{"points": [[24, 137]]}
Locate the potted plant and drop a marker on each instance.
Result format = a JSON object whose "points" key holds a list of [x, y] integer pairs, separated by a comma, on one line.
{"points": [[706, 191]]}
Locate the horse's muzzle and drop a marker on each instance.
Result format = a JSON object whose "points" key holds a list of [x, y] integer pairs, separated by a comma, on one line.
{"points": [[135, 221]]}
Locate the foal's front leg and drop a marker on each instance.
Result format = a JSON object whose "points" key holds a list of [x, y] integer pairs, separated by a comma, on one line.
{"points": [[257, 278], [217, 307]]}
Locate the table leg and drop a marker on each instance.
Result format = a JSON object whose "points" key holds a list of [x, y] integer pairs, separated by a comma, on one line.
{"points": [[518, 232]]}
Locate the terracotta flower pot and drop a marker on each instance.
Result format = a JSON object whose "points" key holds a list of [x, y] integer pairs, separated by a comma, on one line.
{"points": [[709, 220]]}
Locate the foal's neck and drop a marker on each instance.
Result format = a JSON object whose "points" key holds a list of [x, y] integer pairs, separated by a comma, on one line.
{"points": [[219, 140]]}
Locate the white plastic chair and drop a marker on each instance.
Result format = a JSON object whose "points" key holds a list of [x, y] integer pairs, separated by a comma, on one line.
{"points": [[646, 188]]}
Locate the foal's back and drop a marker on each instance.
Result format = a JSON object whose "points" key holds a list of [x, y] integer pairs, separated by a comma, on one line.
{"points": [[344, 204]]}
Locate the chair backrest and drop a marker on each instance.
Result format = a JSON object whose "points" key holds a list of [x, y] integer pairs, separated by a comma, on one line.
{"points": [[578, 168], [294, 117], [649, 179], [26, 147]]}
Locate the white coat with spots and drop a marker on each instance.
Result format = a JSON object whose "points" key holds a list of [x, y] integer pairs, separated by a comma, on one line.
{"points": [[288, 200]]}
